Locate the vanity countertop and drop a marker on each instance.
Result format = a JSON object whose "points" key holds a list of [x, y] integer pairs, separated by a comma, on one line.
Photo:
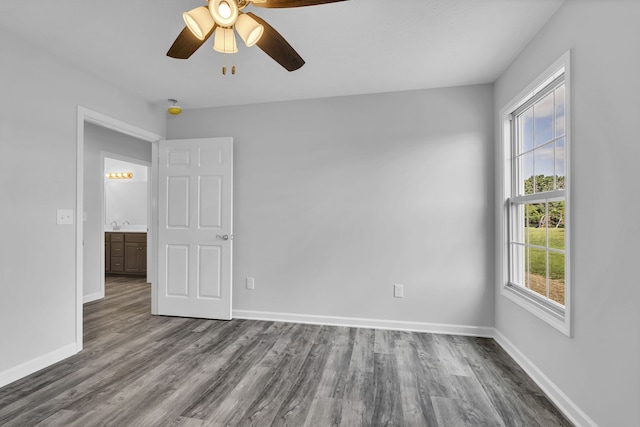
{"points": [[126, 230]]}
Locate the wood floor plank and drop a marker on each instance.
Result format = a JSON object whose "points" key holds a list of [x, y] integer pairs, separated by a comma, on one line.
{"points": [[359, 399], [388, 408], [478, 410], [449, 412], [229, 376], [333, 380], [61, 418], [324, 411], [294, 409], [416, 400], [142, 370], [264, 409]]}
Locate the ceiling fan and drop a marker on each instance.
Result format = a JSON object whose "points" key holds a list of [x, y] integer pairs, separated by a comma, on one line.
{"points": [[222, 17]]}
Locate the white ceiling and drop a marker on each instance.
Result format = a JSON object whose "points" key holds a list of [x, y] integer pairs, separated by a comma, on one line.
{"points": [[351, 47]]}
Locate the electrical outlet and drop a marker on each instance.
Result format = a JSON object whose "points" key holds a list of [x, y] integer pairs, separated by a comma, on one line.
{"points": [[64, 216], [398, 291], [251, 284]]}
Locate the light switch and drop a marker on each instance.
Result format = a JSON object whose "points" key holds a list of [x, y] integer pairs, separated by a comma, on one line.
{"points": [[398, 291], [65, 216]]}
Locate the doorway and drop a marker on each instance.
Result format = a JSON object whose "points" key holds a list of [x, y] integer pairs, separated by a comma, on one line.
{"points": [[90, 177], [111, 203], [125, 218]]}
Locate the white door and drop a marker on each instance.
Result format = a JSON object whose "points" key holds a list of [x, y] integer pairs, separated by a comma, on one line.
{"points": [[195, 227]]}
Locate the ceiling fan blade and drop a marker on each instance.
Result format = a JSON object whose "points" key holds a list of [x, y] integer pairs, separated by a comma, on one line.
{"points": [[290, 3], [186, 44], [274, 45]]}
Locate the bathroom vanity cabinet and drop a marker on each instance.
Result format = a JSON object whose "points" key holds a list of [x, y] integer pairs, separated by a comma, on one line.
{"points": [[125, 253]]}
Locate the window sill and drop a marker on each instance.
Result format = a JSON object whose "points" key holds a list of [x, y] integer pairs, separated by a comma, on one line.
{"points": [[547, 312]]}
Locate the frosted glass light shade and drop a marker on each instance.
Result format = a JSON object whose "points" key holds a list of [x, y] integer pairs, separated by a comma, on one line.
{"points": [[248, 29], [224, 12], [199, 21], [225, 40]]}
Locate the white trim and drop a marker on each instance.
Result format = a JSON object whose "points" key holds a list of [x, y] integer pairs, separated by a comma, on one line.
{"points": [[152, 238], [117, 125], [34, 365], [93, 297], [544, 78], [503, 194], [547, 196], [356, 322], [86, 115], [540, 310], [567, 406]]}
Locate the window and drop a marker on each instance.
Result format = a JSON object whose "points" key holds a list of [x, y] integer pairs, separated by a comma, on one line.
{"points": [[536, 146]]}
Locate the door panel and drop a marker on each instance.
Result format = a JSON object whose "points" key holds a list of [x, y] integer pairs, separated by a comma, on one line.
{"points": [[209, 260], [210, 192], [195, 211], [178, 209]]}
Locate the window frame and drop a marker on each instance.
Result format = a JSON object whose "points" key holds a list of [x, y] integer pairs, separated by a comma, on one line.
{"points": [[549, 311]]}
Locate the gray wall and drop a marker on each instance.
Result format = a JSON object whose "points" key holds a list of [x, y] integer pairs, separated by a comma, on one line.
{"points": [[97, 139], [337, 199], [38, 175], [599, 367]]}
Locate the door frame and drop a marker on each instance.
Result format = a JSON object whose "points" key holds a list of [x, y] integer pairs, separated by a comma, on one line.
{"points": [[86, 115]]}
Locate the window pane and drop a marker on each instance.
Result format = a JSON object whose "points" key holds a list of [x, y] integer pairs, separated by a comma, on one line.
{"points": [[537, 270], [560, 92], [556, 225], [543, 114], [526, 130], [535, 233], [527, 173], [544, 160], [556, 277], [560, 164]]}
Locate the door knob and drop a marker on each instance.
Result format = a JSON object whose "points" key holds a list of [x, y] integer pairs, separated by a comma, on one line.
{"points": [[224, 236]]}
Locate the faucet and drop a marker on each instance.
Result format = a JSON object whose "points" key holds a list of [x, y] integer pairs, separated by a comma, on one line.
{"points": [[115, 226]]}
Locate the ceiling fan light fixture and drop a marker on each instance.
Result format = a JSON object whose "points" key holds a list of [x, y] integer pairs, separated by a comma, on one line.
{"points": [[174, 109], [249, 30], [199, 21], [225, 40], [224, 12]]}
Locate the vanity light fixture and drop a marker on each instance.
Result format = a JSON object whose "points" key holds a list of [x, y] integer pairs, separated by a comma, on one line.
{"points": [[119, 175]]}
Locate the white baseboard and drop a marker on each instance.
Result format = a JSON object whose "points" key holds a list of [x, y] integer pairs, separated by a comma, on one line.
{"points": [[93, 297], [553, 392], [435, 328], [36, 364]]}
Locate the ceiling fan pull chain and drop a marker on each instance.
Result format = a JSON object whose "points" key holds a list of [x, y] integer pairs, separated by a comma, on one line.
{"points": [[233, 57], [224, 55]]}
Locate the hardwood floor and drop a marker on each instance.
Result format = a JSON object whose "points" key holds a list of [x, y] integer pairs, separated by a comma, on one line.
{"points": [[143, 370]]}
